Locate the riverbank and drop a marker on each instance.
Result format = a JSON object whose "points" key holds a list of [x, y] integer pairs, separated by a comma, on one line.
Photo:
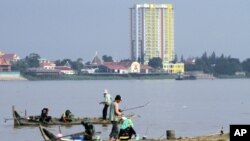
{"points": [[216, 137], [11, 76], [103, 77]]}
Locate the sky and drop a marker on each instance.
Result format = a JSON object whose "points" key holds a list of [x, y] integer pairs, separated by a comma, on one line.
{"points": [[58, 29]]}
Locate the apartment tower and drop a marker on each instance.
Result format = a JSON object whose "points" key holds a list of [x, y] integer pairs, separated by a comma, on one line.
{"points": [[152, 32]]}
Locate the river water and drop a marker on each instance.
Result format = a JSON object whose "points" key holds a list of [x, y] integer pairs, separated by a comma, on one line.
{"points": [[191, 108]]}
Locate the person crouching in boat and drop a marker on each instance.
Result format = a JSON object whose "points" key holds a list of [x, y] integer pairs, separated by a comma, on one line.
{"points": [[114, 115], [127, 130], [67, 116], [89, 131], [44, 116]]}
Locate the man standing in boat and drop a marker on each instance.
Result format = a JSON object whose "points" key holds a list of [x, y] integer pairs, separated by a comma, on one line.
{"points": [[107, 101], [114, 116]]}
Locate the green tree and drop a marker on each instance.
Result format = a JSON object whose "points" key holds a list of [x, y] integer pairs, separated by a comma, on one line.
{"points": [[66, 61], [175, 59], [58, 62], [32, 60], [182, 59], [77, 65], [20, 65], [212, 58], [106, 58], [246, 65], [155, 62]]}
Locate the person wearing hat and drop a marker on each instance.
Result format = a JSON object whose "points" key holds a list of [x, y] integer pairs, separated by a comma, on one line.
{"points": [[67, 116], [107, 101], [114, 115]]}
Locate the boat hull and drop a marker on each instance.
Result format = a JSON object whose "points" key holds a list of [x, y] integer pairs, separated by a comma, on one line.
{"points": [[34, 121]]}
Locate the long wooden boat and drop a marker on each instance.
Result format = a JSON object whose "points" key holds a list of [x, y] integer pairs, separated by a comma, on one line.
{"points": [[48, 136], [34, 120]]}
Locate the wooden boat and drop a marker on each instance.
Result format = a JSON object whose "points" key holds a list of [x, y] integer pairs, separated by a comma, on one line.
{"points": [[48, 136], [34, 120], [88, 134]]}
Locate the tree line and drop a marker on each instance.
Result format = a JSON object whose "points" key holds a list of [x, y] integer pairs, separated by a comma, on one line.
{"points": [[213, 64], [218, 65], [32, 61]]}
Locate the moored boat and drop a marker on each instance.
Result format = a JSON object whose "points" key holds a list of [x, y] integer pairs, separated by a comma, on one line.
{"points": [[88, 134], [35, 120], [48, 136]]}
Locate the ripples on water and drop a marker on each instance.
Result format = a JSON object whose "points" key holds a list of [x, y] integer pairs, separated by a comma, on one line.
{"points": [[189, 107]]}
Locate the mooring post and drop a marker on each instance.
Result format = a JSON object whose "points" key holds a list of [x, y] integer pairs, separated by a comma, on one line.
{"points": [[170, 134]]}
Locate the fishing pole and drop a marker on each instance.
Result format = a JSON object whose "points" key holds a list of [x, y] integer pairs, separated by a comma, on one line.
{"points": [[137, 107], [7, 119]]}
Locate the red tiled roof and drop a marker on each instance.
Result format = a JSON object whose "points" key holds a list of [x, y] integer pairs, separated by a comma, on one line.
{"points": [[144, 67], [126, 64], [113, 66], [4, 62], [47, 64], [8, 56], [62, 68]]}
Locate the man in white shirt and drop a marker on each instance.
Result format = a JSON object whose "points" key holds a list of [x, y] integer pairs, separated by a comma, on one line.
{"points": [[107, 101]]}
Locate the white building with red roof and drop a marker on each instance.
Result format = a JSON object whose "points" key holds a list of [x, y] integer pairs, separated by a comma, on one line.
{"points": [[48, 65], [114, 67], [65, 70], [126, 67]]}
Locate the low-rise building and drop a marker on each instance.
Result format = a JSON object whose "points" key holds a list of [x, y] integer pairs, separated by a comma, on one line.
{"points": [[11, 57], [145, 69], [4, 65], [240, 73], [135, 67], [126, 67], [65, 70], [113, 67], [175, 68], [44, 60], [48, 66]]}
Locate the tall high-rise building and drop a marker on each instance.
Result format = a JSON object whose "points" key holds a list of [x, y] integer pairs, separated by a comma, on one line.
{"points": [[152, 32]]}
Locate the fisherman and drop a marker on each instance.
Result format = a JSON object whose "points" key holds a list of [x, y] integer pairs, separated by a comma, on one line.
{"points": [[114, 115], [127, 130], [44, 116], [89, 130], [67, 116], [107, 101]]}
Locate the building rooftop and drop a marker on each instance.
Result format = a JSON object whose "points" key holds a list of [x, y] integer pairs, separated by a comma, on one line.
{"points": [[4, 62], [114, 65]]}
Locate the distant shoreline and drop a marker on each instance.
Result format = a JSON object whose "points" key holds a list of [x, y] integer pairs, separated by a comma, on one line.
{"points": [[106, 77]]}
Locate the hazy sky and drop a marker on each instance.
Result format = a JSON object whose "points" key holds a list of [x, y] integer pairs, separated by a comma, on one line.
{"points": [[58, 29]]}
